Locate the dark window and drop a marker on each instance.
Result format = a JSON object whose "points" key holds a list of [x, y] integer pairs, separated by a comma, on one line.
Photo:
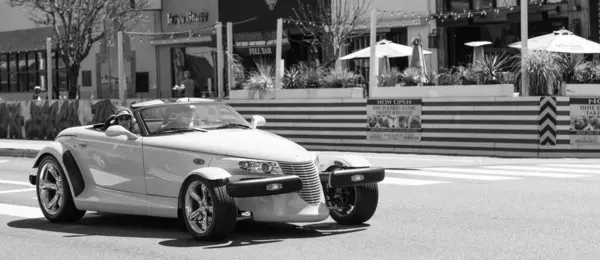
{"points": [[459, 5], [86, 78], [12, 70], [142, 81], [3, 72]]}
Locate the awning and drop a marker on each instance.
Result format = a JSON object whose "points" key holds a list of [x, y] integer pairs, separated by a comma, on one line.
{"points": [[26, 40]]}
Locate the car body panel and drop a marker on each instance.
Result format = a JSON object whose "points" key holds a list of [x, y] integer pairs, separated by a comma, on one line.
{"points": [[114, 163]]}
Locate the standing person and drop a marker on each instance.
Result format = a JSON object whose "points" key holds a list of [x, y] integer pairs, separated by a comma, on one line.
{"points": [[189, 83], [36, 93]]}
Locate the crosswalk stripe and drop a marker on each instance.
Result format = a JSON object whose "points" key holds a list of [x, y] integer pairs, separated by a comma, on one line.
{"points": [[16, 191], [538, 169], [409, 182], [20, 211], [15, 183], [582, 166], [500, 172], [452, 175]]}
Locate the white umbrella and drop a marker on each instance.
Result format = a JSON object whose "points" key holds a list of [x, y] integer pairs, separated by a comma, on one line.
{"points": [[382, 49], [560, 41], [478, 52]]}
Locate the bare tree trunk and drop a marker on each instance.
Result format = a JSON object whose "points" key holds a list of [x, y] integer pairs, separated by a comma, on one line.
{"points": [[72, 76]]}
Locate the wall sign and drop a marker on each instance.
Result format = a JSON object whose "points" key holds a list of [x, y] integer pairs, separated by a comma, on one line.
{"points": [[189, 17], [260, 51], [394, 120], [585, 121]]}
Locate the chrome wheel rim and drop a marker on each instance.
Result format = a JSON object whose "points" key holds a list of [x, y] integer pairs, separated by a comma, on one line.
{"points": [[198, 207], [51, 188], [345, 197]]}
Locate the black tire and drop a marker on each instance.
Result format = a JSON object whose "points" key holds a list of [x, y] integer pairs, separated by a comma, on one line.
{"points": [[366, 198], [67, 212], [224, 216]]}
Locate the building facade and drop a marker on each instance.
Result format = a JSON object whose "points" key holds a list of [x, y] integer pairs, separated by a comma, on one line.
{"points": [[462, 21], [399, 21]]}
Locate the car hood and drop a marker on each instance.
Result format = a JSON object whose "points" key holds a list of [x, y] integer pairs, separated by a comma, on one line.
{"points": [[247, 143]]}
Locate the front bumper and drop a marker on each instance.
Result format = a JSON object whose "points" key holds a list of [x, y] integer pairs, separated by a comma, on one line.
{"points": [[33, 178], [264, 186], [352, 177]]}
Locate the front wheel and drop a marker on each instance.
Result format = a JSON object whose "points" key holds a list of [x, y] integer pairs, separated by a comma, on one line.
{"points": [[209, 213], [54, 195], [352, 205]]}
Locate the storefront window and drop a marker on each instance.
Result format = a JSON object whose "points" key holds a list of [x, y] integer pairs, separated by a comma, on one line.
{"points": [[459, 5], [3, 73], [12, 68], [506, 3], [482, 4], [21, 72], [41, 60], [199, 65]]}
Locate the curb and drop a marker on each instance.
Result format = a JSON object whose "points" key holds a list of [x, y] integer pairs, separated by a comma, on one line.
{"points": [[16, 152]]}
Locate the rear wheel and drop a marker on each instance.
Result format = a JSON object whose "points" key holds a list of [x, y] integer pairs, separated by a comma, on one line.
{"points": [[209, 213], [352, 205], [54, 196]]}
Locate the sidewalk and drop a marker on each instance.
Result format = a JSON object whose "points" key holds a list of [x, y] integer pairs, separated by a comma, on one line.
{"points": [[21, 148]]}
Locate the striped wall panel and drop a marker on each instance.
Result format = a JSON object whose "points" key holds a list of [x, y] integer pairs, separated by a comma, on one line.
{"points": [[485, 126], [482, 126]]}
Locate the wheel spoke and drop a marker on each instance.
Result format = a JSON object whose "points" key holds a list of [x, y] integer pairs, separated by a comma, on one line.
{"points": [[46, 185], [194, 215], [52, 202], [195, 196], [52, 171]]}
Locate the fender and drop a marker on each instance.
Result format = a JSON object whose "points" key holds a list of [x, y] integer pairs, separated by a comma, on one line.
{"points": [[346, 160], [210, 173], [55, 149]]}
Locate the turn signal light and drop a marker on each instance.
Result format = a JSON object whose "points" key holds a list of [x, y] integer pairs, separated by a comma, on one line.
{"points": [[358, 177], [274, 186]]}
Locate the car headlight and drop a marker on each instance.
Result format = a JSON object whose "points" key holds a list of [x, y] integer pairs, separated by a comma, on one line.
{"points": [[257, 166]]}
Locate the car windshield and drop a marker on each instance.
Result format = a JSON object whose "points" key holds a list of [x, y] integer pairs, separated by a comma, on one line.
{"points": [[198, 116]]}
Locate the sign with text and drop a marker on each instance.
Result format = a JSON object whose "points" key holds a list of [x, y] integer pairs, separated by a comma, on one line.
{"points": [[585, 121], [394, 120], [256, 51], [189, 17]]}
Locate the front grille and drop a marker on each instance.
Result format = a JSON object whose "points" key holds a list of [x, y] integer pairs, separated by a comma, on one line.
{"points": [[311, 183]]}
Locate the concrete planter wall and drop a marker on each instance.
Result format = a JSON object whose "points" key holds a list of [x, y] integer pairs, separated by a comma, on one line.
{"points": [[307, 93], [500, 90], [582, 90]]}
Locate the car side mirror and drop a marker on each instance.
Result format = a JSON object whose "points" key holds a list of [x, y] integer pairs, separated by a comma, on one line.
{"points": [[117, 130], [257, 121]]}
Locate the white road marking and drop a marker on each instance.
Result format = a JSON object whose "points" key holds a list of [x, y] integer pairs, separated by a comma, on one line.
{"points": [[20, 211], [570, 166], [3, 161], [501, 172], [538, 169], [15, 182], [15, 191], [409, 182], [452, 175]]}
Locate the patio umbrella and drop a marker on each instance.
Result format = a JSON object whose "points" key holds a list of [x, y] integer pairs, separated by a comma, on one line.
{"points": [[418, 58], [382, 49], [478, 53], [560, 41]]}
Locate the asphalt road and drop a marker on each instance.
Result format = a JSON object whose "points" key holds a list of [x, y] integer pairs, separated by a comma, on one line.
{"points": [[478, 208]]}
